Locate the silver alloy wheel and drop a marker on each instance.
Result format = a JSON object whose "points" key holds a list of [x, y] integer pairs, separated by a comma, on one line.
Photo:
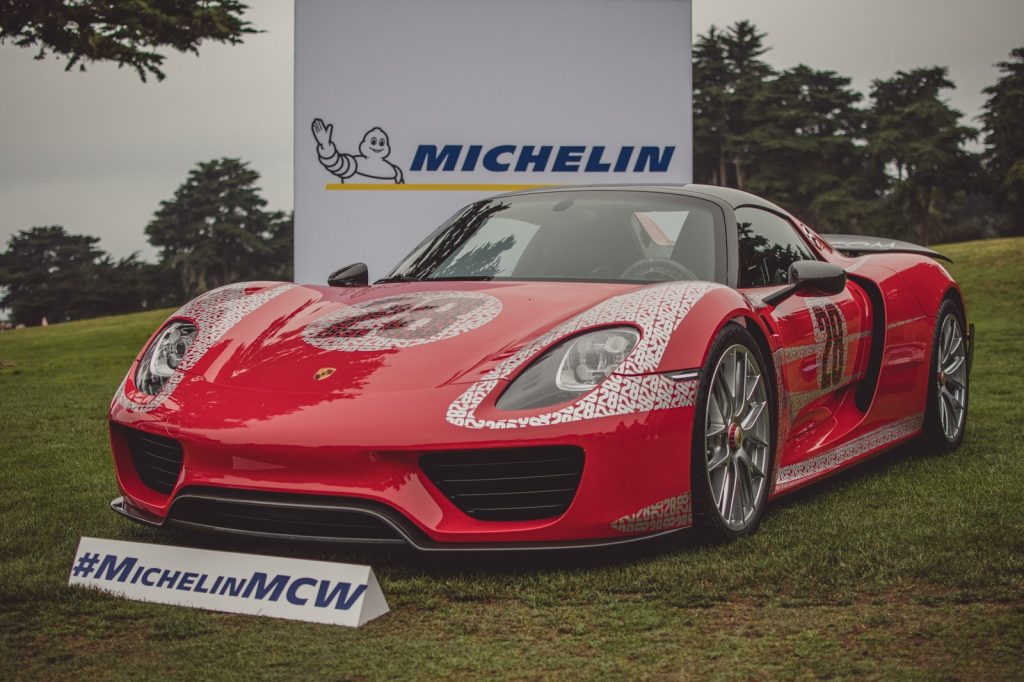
{"points": [[951, 377], [736, 435]]}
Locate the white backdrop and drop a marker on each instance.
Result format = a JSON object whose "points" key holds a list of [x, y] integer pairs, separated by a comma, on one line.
{"points": [[407, 110]]}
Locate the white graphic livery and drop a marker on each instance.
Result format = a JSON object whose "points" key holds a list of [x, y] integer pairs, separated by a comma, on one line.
{"points": [[872, 440], [214, 313], [675, 512], [657, 309], [402, 321], [900, 323]]}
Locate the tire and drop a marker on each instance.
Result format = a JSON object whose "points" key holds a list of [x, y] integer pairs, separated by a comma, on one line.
{"points": [[733, 448], [945, 420]]}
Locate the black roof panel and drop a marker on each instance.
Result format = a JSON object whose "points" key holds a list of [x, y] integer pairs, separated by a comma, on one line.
{"points": [[728, 195]]}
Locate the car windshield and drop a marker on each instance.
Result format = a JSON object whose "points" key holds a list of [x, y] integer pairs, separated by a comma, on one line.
{"points": [[598, 235]]}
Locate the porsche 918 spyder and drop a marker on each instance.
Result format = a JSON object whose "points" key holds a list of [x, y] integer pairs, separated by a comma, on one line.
{"points": [[559, 367]]}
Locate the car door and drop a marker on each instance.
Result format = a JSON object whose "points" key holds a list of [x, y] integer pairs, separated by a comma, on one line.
{"points": [[824, 338]]}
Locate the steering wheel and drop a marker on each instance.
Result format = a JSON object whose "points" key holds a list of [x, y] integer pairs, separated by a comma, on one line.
{"points": [[658, 270]]}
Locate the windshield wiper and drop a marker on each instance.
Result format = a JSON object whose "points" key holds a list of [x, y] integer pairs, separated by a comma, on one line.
{"points": [[399, 278], [452, 278]]}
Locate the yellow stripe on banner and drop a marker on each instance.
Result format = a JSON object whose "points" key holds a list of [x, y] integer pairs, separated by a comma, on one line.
{"points": [[433, 187]]}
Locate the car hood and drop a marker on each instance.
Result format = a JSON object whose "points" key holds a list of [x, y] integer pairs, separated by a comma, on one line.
{"points": [[389, 337]]}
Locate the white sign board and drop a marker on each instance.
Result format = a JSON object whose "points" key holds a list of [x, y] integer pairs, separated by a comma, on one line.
{"points": [[296, 589], [406, 111]]}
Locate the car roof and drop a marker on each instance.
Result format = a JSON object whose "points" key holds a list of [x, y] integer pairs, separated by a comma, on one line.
{"points": [[727, 195]]}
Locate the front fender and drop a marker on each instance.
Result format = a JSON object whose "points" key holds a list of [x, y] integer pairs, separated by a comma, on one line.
{"points": [[689, 346]]}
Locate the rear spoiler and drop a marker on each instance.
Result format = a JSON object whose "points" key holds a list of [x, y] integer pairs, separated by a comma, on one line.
{"points": [[852, 244]]}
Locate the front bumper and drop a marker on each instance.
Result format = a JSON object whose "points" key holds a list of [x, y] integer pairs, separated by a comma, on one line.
{"points": [[634, 464]]}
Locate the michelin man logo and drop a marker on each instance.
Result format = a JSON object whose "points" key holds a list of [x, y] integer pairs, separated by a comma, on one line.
{"points": [[370, 165]]}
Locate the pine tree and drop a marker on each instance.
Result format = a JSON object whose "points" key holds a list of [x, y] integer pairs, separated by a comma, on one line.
{"points": [[727, 74], [918, 138], [807, 147], [711, 83], [1002, 121], [49, 273], [744, 45], [215, 230], [125, 33]]}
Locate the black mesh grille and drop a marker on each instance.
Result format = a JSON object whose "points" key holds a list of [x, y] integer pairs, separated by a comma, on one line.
{"points": [[157, 459], [516, 484], [283, 516]]}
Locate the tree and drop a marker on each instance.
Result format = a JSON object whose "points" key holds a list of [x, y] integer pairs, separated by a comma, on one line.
{"points": [[129, 284], [727, 75], [806, 149], [898, 168], [917, 136], [127, 33], [49, 273], [711, 83], [744, 45], [214, 230], [43, 271], [1002, 118], [282, 247]]}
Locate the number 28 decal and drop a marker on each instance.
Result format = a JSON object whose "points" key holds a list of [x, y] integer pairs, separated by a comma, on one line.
{"points": [[830, 332], [402, 321]]}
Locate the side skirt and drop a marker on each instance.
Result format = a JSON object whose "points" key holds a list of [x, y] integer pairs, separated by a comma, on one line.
{"points": [[838, 458]]}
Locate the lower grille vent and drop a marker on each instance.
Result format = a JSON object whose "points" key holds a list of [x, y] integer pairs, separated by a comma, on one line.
{"points": [[280, 515], [517, 484], [157, 459]]}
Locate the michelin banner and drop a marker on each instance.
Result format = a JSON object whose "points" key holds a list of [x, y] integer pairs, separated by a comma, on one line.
{"points": [[407, 110]]}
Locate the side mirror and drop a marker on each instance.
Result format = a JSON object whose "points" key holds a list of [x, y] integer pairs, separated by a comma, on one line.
{"points": [[825, 278], [355, 275]]}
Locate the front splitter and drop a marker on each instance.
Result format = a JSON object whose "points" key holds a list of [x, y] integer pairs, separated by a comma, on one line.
{"points": [[412, 538]]}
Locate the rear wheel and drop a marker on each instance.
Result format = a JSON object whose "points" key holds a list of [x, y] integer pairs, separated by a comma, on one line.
{"points": [[946, 415], [733, 437]]}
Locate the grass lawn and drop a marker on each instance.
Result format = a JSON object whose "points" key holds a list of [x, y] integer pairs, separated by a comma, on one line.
{"points": [[910, 566]]}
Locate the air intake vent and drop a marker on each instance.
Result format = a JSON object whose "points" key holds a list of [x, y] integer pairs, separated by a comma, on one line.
{"points": [[518, 484], [157, 459], [313, 518]]}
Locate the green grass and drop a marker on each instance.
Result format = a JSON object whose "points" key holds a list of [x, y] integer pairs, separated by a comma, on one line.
{"points": [[909, 566]]}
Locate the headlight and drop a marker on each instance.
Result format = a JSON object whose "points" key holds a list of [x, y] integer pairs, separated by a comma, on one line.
{"points": [[570, 369], [163, 356]]}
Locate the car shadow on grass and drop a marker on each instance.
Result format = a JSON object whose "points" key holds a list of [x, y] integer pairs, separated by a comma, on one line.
{"points": [[406, 562]]}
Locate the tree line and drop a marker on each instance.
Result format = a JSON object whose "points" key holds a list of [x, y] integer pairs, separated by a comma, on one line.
{"points": [[894, 164], [213, 231]]}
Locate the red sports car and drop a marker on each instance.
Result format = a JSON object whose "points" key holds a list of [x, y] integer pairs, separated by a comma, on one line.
{"points": [[554, 368]]}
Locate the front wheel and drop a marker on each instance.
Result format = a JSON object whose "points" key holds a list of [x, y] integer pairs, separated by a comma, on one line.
{"points": [[733, 447]]}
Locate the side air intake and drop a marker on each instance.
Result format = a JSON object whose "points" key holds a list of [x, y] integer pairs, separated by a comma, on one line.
{"points": [[517, 484], [157, 459]]}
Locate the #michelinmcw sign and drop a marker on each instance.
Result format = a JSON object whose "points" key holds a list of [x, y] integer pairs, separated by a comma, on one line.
{"points": [[407, 110], [253, 584]]}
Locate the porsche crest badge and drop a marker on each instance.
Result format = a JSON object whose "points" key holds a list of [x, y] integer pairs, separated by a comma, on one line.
{"points": [[323, 373]]}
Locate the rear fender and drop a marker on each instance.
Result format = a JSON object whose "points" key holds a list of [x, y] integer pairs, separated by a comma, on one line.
{"points": [[931, 284]]}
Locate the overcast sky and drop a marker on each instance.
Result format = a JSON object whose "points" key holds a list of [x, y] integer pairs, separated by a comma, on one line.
{"points": [[97, 151]]}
